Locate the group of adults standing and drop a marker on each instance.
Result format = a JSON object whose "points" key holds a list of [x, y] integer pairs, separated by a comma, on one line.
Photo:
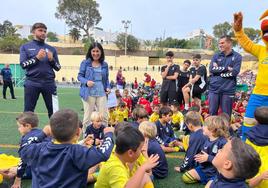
{"points": [[182, 84], [40, 60]]}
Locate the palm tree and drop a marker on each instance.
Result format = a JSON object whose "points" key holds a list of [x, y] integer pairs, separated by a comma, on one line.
{"points": [[75, 34]]}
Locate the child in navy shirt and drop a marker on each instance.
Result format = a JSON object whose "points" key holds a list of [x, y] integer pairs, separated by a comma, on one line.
{"points": [[149, 131], [235, 163], [27, 126], [196, 141], [95, 129], [217, 132], [165, 134], [62, 163]]}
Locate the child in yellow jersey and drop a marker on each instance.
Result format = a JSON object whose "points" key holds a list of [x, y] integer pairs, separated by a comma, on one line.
{"points": [[177, 118], [257, 137], [112, 117], [116, 172], [155, 115], [121, 113]]}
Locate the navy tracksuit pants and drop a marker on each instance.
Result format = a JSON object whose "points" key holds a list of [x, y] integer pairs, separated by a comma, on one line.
{"points": [[220, 100], [32, 92], [8, 83]]}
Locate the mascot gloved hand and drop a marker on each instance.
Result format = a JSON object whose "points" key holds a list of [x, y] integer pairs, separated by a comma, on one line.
{"points": [[259, 96]]}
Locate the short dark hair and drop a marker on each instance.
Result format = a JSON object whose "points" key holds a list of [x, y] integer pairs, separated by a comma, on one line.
{"points": [[38, 25], [170, 54], [227, 38], [197, 56], [28, 118], [246, 161], [128, 138], [139, 113], [64, 124], [119, 126], [95, 45], [187, 61], [165, 110], [261, 115], [193, 118]]}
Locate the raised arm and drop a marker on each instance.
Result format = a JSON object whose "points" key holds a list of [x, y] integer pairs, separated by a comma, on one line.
{"points": [[243, 39]]}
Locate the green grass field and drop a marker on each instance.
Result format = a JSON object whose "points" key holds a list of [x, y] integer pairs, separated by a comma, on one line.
{"points": [[68, 98]]}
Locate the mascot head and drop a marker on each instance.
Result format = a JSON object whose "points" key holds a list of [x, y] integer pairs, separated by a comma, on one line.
{"points": [[264, 28]]}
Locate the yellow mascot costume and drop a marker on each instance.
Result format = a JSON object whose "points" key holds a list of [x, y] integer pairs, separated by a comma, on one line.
{"points": [[257, 137], [259, 97]]}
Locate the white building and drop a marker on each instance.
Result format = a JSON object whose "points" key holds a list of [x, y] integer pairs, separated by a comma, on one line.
{"points": [[196, 33], [102, 36]]}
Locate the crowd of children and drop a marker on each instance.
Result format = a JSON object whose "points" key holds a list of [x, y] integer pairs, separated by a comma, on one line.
{"points": [[144, 131]]}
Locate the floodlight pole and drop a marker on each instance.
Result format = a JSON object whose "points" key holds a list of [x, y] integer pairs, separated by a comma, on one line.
{"points": [[126, 26]]}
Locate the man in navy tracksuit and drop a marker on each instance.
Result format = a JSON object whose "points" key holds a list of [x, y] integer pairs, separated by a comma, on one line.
{"points": [[7, 81], [224, 68], [39, 59]]}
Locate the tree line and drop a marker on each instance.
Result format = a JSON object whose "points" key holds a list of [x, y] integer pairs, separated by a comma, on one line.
{"points": [[82, 15]]}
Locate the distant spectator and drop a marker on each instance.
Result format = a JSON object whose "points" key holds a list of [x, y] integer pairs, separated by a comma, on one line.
{"points": [[136, 85], [153, 82], [147, 81], [119, 79], [7, 81]]}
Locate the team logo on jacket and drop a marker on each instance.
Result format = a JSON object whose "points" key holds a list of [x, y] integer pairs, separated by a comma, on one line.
{"points": [[167, 130], [215, 149]]}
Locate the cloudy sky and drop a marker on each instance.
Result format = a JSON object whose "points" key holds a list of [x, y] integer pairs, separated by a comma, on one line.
{"points": [[149, 18]]}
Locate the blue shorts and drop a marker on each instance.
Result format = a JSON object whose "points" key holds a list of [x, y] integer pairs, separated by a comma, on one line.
{"points": [[203, 177], [254, 102]]}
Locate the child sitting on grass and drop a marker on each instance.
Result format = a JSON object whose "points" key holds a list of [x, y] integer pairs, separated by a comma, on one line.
{"points": [[217, 132], [95, 129], [61, 163], [177, 117], [257, 137], [127, 99], [139, 115], [115, 172], [112, 117], [149, 132], [27, 126], [196, 141], [165, 133], [235, 163], [121, 113], [155, 115]]}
